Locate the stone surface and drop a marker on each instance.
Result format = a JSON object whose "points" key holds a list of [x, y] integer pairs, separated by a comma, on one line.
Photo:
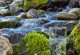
{"points": [[4, 12], [75, 11], [13, 6], [32, 13], [30, 4], [66, 16], [5, 47]]}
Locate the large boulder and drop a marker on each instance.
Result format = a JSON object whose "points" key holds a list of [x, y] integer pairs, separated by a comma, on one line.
{"points": [[66, 16], [4, 12], [5, 46], [29, 4], [32, 13], [75, 11]]}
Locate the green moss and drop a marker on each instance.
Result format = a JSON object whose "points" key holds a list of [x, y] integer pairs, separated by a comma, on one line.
{"points": [[77, 45], [12, 13], [75, 34], [20, 5], [46, 35], [2, 5], [16, 49], [17, 18], [47, 52], [29, 4], [9, 24], [35, 43]]}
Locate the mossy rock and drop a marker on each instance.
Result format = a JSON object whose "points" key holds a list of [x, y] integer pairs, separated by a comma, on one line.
{"points": [[46, 35], [75, 35], [29, 4], [16, 49], [36, 43], [75, 32], [33, 43], [10, 24], [77, 45]]}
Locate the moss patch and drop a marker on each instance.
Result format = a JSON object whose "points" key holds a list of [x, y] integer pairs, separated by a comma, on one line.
{"points": [[10, 24], [33, 43], [29, 4]]}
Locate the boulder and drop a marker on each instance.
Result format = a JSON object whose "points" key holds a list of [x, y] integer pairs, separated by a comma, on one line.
{"points": [[4, 12], [75, 11], [32, 13], [14, 7], [29, 4], [66, 16], [5, 46]]}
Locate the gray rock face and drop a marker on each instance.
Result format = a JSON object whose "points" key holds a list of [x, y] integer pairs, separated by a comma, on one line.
{"points": [[5, 47], [66, 16]]}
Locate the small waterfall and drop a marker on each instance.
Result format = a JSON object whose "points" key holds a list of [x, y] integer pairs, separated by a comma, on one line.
{"points": [[71, 3]]}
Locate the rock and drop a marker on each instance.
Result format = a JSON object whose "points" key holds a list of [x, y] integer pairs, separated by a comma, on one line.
{"points": [[32, 13], [29, 4], [75, 11], [5, 46], [39, 12], [66, 16], [4, 12], [14, 6], [16, 38], [69, 24], [22, 15], [42, 21], [10, 24]]}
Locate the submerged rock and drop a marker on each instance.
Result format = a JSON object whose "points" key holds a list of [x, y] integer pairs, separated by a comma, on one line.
{"points": [[5, 47], [66, 16]]}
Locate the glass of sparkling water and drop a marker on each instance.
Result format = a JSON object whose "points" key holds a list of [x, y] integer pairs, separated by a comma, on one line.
{"points": [[58, 40]]}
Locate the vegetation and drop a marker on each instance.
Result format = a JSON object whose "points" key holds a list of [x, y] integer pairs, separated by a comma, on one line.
{"points": [[29, 4], [75, 35], [33, 43], [9, 24]]}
